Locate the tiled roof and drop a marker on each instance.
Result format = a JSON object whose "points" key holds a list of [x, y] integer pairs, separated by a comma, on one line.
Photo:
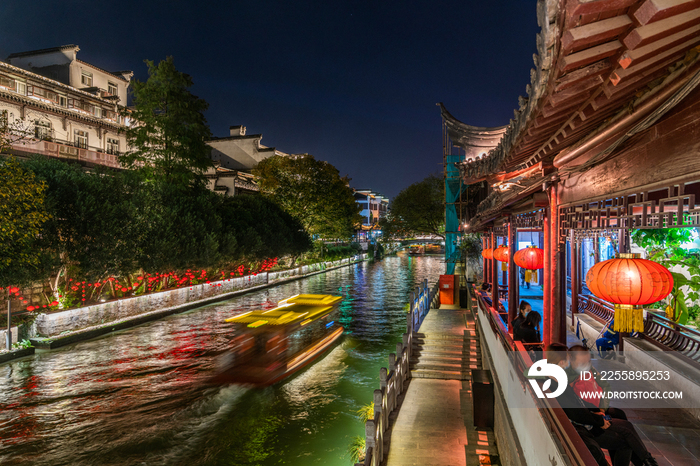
{"points": [[594, 60], [42, 51]]}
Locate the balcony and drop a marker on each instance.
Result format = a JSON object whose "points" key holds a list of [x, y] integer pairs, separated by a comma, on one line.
{"points": [[65, 151]]}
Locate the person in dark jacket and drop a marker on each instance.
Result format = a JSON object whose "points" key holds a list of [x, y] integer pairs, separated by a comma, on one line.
{"points": [[617, 435], [529, 330], [485, 288], [523, 311]]}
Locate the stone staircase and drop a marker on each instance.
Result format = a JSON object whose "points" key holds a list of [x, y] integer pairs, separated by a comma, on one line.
{"points": [[436, 355]]}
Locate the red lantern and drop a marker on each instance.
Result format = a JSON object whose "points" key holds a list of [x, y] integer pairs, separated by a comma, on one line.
{"points": [[531, 258], [629, 282], [487, 253], [501, 253]]}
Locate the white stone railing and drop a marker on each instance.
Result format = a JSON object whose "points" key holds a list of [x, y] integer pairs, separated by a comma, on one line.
{"points": [[392, 381]]}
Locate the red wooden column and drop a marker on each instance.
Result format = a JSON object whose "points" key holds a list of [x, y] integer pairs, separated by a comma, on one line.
{"points": [[547, 282], [494, 276], [558, 311], [512, 275], [487, 277], [558, 268], [574, 275]]}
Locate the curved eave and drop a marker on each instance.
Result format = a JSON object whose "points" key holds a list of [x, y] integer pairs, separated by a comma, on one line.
{"points": [[467, 136]]}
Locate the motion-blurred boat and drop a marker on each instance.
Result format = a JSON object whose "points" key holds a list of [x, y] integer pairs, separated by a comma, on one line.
{"points": [[271, 345]]}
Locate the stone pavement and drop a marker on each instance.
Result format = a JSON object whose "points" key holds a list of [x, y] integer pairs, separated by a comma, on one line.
{"points": [[434, 426]]}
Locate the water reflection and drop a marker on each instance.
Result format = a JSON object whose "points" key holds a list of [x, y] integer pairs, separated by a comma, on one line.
{"points": [[137, 397]]}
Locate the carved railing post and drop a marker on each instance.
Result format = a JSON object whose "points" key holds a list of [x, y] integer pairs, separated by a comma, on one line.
{"points": [[393, 385], [407, 342], [370, 434], [380, 428]]}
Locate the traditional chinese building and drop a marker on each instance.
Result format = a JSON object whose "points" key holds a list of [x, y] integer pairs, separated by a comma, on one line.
{"points": [[605, 140]]}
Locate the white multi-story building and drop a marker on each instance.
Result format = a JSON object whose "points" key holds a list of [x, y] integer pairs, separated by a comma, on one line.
{"points": [[51, 103], [240, 151], [234, 157], [373, 207]]}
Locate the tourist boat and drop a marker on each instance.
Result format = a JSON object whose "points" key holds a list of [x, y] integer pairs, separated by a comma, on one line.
{"points": [[271, 345], [416, 250], [434, 248]]}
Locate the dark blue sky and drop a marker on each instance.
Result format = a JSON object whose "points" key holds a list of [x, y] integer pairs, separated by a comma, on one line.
{"points": [[351, 82]]}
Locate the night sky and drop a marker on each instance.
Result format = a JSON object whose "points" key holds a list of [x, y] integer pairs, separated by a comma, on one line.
{"points": [[351, 82]]}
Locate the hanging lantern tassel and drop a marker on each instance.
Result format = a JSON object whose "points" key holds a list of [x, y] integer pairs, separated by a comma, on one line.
{"points": [[535, 278], [530, 276], [628, 318], [504, 266]]}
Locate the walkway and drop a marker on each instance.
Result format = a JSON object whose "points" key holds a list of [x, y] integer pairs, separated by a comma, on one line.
{"points": [[434, 426]]}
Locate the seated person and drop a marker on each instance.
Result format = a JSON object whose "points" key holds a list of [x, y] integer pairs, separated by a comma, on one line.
{"points": [[485, 288], [608, 341], [529, 330], [616, 435], [580, 363], [523, 311]]}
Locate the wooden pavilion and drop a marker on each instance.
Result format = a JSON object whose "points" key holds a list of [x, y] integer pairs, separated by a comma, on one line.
{"points": [[606, 140]]}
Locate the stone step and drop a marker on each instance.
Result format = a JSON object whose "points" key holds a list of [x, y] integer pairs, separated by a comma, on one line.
{"points": [[447, 375], [437, 366], [448, 360], [437, 335], [445, 338], [446, 349]]}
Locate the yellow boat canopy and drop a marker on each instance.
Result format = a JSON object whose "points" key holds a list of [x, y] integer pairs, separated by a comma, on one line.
{"points": [[306, 307]]}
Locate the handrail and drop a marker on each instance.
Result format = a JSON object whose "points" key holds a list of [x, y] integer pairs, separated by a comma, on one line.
{"points": [[658, 330], [672, 336], [392, 381], [597, 308], [552, 415]]}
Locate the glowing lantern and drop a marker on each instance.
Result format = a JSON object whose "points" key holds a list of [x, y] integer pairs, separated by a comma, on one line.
{"points": [[487, 253], [531, 258], [501, 254], [629, 282]]}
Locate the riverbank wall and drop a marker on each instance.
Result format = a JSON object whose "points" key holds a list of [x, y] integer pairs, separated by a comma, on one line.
{"points": [[65, 327]]}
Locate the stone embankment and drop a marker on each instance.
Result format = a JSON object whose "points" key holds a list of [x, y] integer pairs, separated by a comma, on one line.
{"points": [[62, 328]]}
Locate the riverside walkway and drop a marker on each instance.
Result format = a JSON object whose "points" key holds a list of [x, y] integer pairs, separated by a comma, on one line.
{"points": [[435, 423]]}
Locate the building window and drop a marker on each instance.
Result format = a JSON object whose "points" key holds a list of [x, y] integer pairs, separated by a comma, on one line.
{"points": [[21, 88], [42, 130], [111, 88], [113, 146], [62, 100], [81, 139], [7, 82], [86, 79], [98, 112]]}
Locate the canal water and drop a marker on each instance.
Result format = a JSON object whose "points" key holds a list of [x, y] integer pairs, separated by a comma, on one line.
{"points": [[138, 397]]}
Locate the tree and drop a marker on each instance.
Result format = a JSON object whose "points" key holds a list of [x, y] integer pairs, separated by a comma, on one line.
{"points": [[182, 227], [261, 229], [95, 224], [418, 209], [313, 192], [22, 214], [666, 246], [168, 130]]}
